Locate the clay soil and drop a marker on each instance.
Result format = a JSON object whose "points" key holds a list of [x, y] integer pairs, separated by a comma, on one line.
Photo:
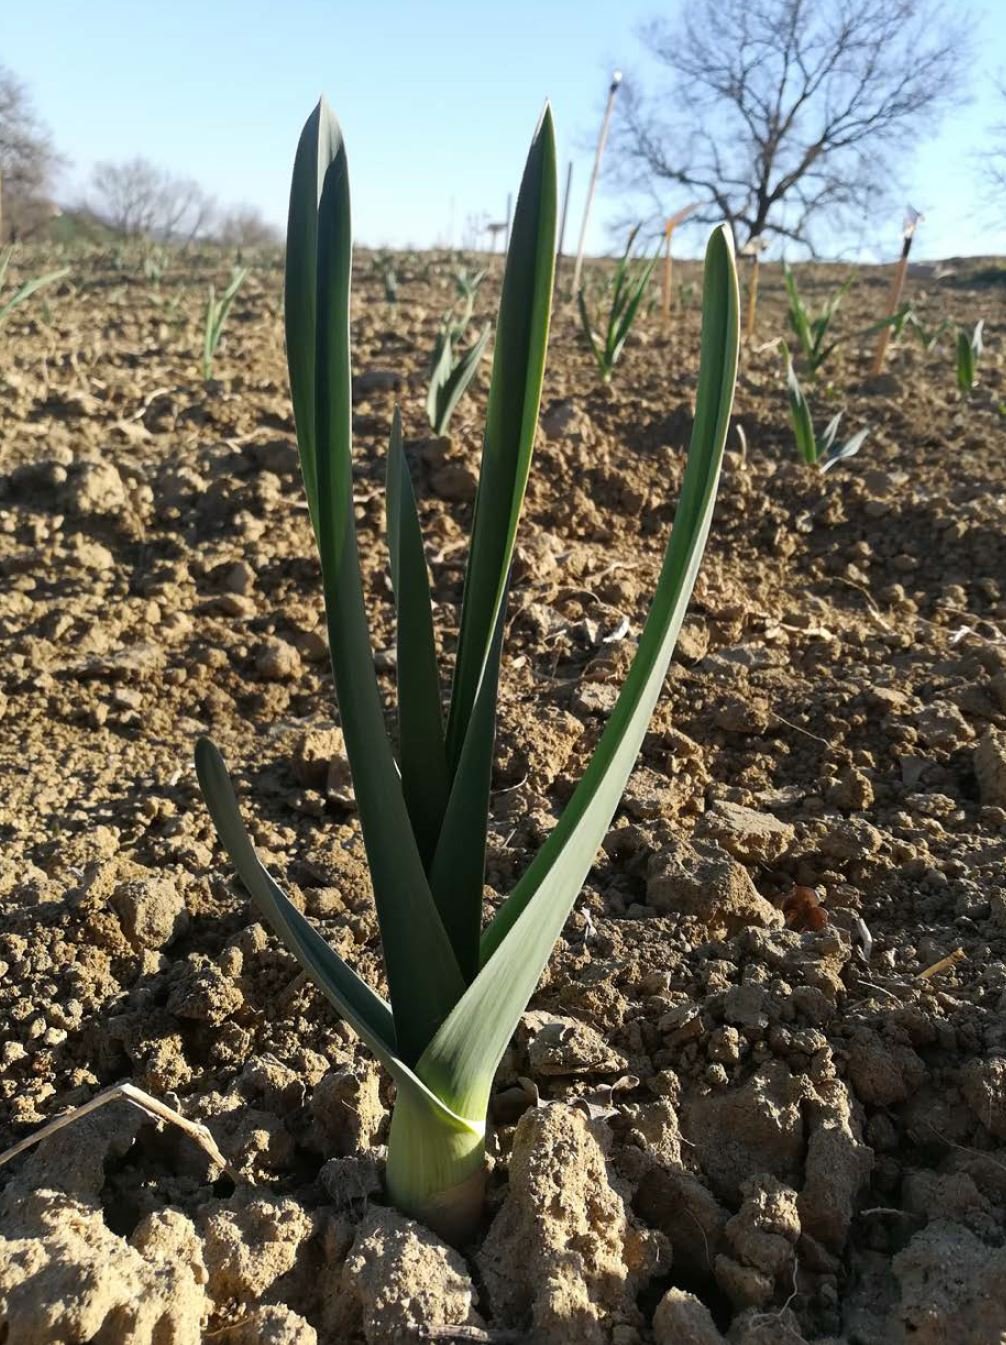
{"points": [[760, 1094]]}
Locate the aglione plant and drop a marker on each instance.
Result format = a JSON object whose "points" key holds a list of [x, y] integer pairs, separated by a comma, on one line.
{"points": [[812, 330], [817, 450], [450, 373], [457, 987], [28, 288], [969, 349], [628, 291], [217, 308]]}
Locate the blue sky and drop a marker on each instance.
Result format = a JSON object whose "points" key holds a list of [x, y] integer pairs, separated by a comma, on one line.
{"points": [[438, 101]]}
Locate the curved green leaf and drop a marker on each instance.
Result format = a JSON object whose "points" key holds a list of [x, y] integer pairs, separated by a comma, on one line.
{"points": [[423, 977], [449, 391], [422, 755], [511, 423], [460, 1060], [364, 1010]]}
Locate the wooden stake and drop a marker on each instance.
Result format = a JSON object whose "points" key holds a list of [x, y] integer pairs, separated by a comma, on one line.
{"points": [[669, 227], [616, 80], [665, 295], [897, 289]]}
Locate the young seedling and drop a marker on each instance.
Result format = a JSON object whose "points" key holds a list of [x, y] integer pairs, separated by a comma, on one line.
{"points": [[29, 287], [216, 315], [456, 989], [812, 331], [450, 376], [630, 286], [817, 450], [969, 349], [384, 265], [928, 337], [467, 285]]}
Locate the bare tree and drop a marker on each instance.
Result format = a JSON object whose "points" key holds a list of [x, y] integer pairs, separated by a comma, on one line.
{"points": [[28, 161], [777, 113], [136, 198], [995, 158], [244, 226]]}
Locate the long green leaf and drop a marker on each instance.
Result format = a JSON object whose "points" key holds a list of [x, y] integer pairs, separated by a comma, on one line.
{"points": [[798, 314], [460, 1061], [364, 1010], [360, 1006], [458, 871], [588, 330], [799, 411], [29, 287], [511, 422], [452, 389], [422, 754], [423, 977]]}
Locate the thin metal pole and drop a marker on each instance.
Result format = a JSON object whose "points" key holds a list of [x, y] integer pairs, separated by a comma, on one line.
{"points": [[562, 222], [616, 80]]}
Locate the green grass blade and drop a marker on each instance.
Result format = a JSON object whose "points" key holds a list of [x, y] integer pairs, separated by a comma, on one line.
{"points": [[423, 976], [588, 331], [460, 1060], [512, 419], [452, 389], [798, 314], [965, 362], [364, 1010], [29, 287], [360, 1006], [628, 316], [799, 411], [320, 151], [458, 871], [422, 754], [511, 422], [440, 372]]}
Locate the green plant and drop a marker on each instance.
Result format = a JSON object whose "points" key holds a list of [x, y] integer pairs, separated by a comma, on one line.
{"points": [[928, 337], [450, 376], [969, 349], [28, 288], [155, 263], [630, 285], [812, 331], [216, 315], [467, 284], [384, 265], [456, 989], [817, 450]]}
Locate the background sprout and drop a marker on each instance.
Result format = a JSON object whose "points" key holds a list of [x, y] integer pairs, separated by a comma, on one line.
{"points": [[29, 287], [216, 315], [629, 289], [969, 349], [817, 450]]}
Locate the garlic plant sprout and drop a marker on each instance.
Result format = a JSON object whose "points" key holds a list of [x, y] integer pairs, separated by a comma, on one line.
{"points": [[456, 986]]}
